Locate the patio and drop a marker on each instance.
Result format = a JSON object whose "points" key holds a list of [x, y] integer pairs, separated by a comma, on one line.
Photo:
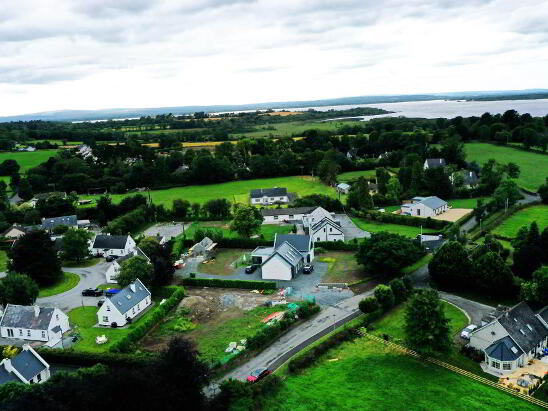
{"points": [[526, 375]]}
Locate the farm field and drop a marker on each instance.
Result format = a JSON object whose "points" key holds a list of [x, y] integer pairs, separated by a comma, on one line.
{"points": [[342, 267], [351, 175], [525, 217], [294, 127], [364, 374], [534, 167], [28, 160], [467, 202], [405, 230], [233, 191]]}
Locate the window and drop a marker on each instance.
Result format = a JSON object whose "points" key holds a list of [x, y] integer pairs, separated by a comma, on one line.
{"points": [[506, 365], [20, 332], [330, 229], [43, 334], [10, 332], [276, 217], [105, 319], [495, 364], [272, 199], [133, 310], [318, 239], [56, 316], [324, 229], [28, 333], [108, 307], [291, 216], [38, 378], [138, 306]]}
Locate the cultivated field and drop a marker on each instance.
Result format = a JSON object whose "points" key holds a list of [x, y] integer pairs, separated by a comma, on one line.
{"points": [[234, 191], [534, 167], [294, 127], [525, 217], [453, 214]]}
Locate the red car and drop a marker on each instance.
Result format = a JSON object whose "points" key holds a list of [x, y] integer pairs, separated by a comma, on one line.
{"points": [[258, 374]]}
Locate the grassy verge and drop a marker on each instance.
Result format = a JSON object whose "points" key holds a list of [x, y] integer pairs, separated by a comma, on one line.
{"points": [[467, 202], [343, 267], [375, 227], [69, 281], [420, 263], [89, 262], [524, 217], [3, 260]]}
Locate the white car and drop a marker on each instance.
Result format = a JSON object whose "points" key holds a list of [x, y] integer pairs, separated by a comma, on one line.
{"points": [[466, 332]]}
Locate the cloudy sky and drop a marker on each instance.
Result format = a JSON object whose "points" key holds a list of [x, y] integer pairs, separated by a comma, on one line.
{"points": [[89, 54]]}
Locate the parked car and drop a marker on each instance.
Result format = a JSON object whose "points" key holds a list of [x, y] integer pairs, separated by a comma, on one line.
{"points": [[110, 258], [466, 332], [92, 292], [308, 268], [250, 268], [100, 302], [258, 374], [111, 291]]}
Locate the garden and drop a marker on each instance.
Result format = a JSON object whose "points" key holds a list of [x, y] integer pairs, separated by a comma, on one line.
{"points": [[342, 267], [405, 230], [68, 282]]}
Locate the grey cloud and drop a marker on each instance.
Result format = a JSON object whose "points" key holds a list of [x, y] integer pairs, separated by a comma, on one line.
{"points": [[110, 8]]}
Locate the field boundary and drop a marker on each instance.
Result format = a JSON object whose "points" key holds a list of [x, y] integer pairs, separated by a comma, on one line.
{"points": [[456, 370]]}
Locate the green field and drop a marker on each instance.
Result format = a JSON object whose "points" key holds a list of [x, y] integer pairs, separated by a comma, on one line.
{"points": [[28, 160], [375, 227], [525, 217], [267, 230], [70, 280], [365, 374], [3, 261], [233, 191], [534, 167], [352, 175], [287, 129], [467, 202]]}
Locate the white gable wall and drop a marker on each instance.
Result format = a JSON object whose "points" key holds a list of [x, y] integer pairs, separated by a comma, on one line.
{"points": [[276, 269], [326, 232], [108, 313]]}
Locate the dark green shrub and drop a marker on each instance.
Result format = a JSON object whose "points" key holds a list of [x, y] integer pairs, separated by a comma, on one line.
{"points": [[215, 282], [384, 296], [398, 289], [368, 305]]}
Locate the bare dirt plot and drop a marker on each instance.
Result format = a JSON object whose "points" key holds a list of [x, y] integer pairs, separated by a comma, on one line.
{"points": [[453, 214], [282, 113]]}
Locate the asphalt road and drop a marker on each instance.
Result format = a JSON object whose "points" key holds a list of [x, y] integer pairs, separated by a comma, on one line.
{"points": [[90, 277]]}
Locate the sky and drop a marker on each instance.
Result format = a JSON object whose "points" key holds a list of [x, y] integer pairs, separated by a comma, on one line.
{"points": [[92, 54]]}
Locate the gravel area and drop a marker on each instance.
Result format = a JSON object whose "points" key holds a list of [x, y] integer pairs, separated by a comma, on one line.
{"points": [[167, 230], [349, 229]]}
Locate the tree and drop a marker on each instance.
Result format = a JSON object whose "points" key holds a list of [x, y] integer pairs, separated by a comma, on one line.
{"points": [[328, 170], [479, 211], [18, 289], [219, 208], [427, 328], [76, 244], [526, 260], [450, 267], [196, 209], [543, 192], [384, 296], [133, 268], [24, 189], [34, 254], [536, 290], [393, 189], [382, 179], [492, 275], [438, 183], [506, 193], [160, 258], [247, 221], [398, 288], [358, 196], [180, 208], [417, 175], [368, 305]]}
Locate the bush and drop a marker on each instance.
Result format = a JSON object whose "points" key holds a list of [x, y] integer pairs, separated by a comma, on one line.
{"points": [[404, 220], [336, 246], [368, 305], [215, 282], [384, 296], [408, 282], [399, 289], [87, 359]]}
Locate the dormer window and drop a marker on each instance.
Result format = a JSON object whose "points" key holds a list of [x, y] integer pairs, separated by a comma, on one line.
{"points": [[521, 331], [530, 328]]}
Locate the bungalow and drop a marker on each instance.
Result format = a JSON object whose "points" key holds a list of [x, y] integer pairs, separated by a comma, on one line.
{"points": [[203, 247], [27, 367], [122, 307], [269, 195], [286, 258], [469, 178], [14, 232], [343, 188], [431, 163], [33, 323], [276, 215], [114, 269], [424, 207], [512, 339], [106, 244], [48, 224]]}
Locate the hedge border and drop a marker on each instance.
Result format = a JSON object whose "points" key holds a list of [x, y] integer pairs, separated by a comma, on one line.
{"points": [[217, 282]]}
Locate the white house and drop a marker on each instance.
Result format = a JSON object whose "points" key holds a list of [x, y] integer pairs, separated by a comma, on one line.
{"points": [[269, 195], [277, 215], [125, 305], [512, 339], [286, 258], [425, 207], [105, 244], [430, 163], [27, 367], [469, 178], [33, 323], [343, 188], [114, 269], [322, 225]]}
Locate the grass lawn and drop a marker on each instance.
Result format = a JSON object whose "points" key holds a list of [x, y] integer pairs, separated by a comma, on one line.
{"points": [[353, 175], [414, 267], [28, 160], [534, 167], [289, 128], [70, 280], [3, 260], [82, 264], [405, 230], [85, 318], [267, 230], [467, 202], [107, 286], [222, 263], [365, 374], [525, 217], [343, 267], [233, 191]]}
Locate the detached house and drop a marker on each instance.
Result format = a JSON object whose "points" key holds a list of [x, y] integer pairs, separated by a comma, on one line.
{"points": [[114, 268], [425, 207], [512, 339], [14, 232], [27, 367], [33, 323], [469, 178], [122, 307], [430, 163], [321, 225], [203, 248], [289, 215], [105, 244], [48, 224], [269, 195]]}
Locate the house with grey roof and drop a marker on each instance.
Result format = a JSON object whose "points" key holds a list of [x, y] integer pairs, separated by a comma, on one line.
{"points": [[203, 248], [286, 258], [114, 269], [343, 188], [118, 245], [425, 207], [265, 196], [33, 323], [48, 224], [322, 225], [122, 307], [289, 215], [511, 339], [27, 367], [431, 163], [469, 178]]}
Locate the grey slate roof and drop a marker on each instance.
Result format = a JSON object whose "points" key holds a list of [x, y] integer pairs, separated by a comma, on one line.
{"points": [[286, 211], [68, 220], [136, 252], [433, 202], [110, 241], [299, 241], [288, 253], [56, 329], [519, 318], [502, 350], [126, 299], [22, 316], [324, 221], [543, 313], [269, 192], [27, 364], [7, 376], [469, 177], [435, 162]]}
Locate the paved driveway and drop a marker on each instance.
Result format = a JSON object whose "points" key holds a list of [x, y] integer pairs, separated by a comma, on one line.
{"points": [[90, 277], [168, 230], [349, 229]]}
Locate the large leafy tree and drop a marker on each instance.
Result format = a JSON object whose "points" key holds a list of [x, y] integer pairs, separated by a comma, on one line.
{"points": [[76, 244], [247, 221], [359, 197], [160, 258], [506, 192], [536, 290], [427, 328], [135, 268], [34, 255], [328, 170], [450, 267], [492, 275], [18, 289]]}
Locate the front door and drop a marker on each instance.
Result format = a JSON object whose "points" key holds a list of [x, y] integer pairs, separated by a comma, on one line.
{"points": [[10, 332]]}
